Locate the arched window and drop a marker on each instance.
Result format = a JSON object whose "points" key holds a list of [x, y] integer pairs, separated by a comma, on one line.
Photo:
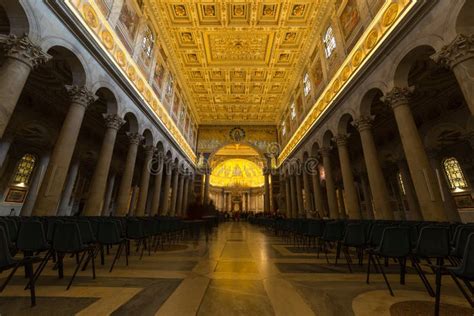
{"points": [[306, 84], [170, 87], [329, 42], [283, 129], [400, 183], [148, 42], [293, 110], [454, 173], [23, 170]]}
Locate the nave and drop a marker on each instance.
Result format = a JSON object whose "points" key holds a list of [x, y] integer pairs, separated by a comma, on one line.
{"points": [[243, 269]]}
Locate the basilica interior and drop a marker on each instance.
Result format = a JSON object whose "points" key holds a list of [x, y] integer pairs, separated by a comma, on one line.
{"points": [[237, 157]]}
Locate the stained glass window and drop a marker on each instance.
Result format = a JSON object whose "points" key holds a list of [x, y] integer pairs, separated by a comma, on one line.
{"points": [[400, 183], [148, 42], [454, 173], [283, 129], [23, 170], [329, 42], [306, 84]]}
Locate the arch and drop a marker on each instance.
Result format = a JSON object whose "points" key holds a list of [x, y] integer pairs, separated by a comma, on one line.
{"points": [[367, 100], [148, 141], [18, 22], [464, 21], [344, 121], [315, 149], [108, 97], [236, 143], [159, 147], [64, 56], [327, 138], [131, 121], [404, 65]]}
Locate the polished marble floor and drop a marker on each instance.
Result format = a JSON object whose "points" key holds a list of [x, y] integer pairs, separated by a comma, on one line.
{"points": [[241, 270]]}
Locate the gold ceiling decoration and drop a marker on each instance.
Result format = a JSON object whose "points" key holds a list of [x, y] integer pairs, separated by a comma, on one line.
{"points": [[237, 172], [90, 16], [381, 26], [237, 59]]}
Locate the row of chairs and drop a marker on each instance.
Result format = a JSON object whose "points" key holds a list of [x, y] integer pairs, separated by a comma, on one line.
{"points": [[85, 238], [444, 248]]}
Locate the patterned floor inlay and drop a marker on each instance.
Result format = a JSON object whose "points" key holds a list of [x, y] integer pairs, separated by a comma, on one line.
{"points": [[45, 305], [416, 308], [235, 297]]}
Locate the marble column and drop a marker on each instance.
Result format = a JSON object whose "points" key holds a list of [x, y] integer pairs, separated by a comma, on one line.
{"points": [[341, 203], [123, 197], [166, 191], [21, 57], [184, 207], [367, 197], [330, 187], [223, 200], [206, 187], [352, 201], [459, 57], [108, 195], [318, 195], [179, 202], [40, 170], [266, 203], [307, 191], [4, 148], [299, 195], [174, 191], [448, 200], [424, 179], [155, 202], [410, 194], [55, 177], [287, 197], [63, 208], [145, 180], [96, 196], [294, 203], [378, 186]]}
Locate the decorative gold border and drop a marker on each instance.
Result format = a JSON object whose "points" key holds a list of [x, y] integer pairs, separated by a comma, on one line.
{"points": [[390, 15], [91, 17]]}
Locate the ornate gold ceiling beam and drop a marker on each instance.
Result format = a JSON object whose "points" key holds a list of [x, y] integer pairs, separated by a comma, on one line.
{"points": [[390, 15], [97, 25]]}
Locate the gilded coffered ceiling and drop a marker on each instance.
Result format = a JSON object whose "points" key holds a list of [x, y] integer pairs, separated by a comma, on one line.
{"points": [[238, 59]]}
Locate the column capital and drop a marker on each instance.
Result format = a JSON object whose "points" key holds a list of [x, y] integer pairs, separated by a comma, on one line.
{"points": [[398, 96], [22, 49], [149, 150], [325, 151], [80, 95], [458, 51], [134, 138], [113, 121], [364, 123], [341, 139]]}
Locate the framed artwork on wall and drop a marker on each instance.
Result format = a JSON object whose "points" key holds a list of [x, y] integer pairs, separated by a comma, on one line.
{"points": [[15, 195], [464, 201]]}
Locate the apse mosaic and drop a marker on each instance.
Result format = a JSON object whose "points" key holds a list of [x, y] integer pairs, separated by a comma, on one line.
{"points": [[237, 172]]}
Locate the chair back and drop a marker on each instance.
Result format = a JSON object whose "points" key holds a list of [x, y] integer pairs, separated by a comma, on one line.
{"points": [[355, 235], [461, 240], [467, 266], [433, 242], [87, 234], [376, 232], [108, 233], [31, 236], [334, 231], [67, 238], [395, 242], [13, 228], [135, 229], [6, 258]]}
